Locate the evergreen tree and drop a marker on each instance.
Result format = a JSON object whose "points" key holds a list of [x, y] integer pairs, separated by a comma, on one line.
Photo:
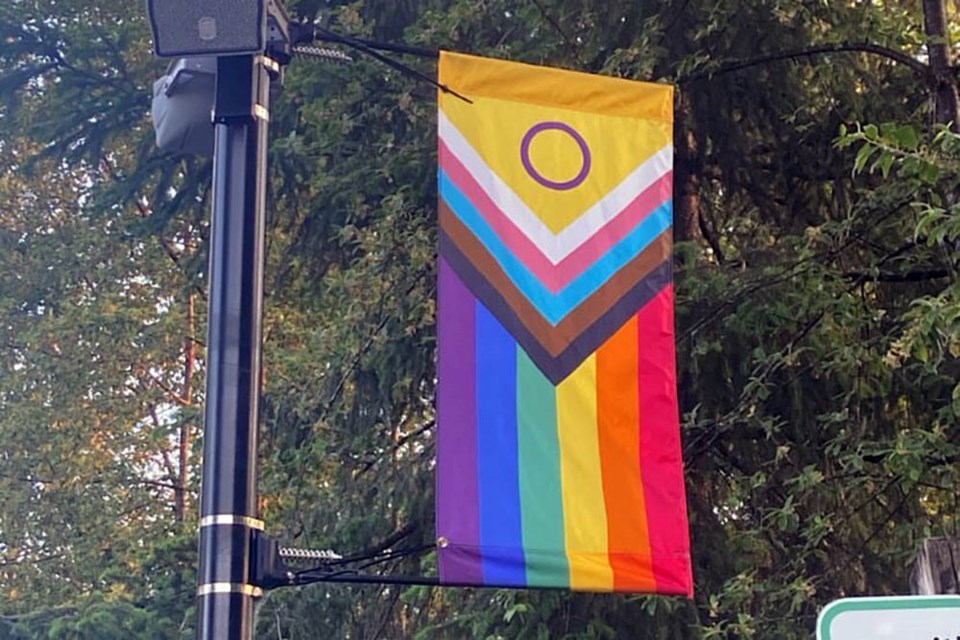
{"points": [[818, 322]]}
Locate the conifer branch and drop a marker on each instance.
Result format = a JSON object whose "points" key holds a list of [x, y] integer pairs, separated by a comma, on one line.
{"points": [[915, 65], [917, 275]]}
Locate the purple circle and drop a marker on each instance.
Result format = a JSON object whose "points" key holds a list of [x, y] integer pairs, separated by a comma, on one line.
{"points": [[559, 126]]}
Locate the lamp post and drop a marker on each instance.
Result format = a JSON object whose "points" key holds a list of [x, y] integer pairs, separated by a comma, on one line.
{"points": [[235, 33], [229, 521]]}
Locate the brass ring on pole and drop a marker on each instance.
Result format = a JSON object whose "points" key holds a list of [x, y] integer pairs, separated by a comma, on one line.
{"points": [[229, 587], [231, 519], [270, 64]]}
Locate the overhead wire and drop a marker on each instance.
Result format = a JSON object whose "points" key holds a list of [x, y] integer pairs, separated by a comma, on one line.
{"points": [[365, 48], [370, 47], [405, 49]]}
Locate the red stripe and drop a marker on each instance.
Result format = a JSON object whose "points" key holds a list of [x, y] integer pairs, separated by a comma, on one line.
{"points": [[660, 453]]}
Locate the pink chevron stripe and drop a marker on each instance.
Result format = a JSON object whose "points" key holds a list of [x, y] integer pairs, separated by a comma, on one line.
{"points": [[616, 230], [515, 239], [556, 277]]}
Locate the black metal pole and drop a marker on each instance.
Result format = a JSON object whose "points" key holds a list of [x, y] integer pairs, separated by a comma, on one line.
{"points": [[229, 521]]}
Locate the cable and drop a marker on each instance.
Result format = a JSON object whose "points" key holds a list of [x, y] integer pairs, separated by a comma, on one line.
{"points": [[706, 74], [371, 560], [397, 553], [362, 47], [323, 573], [403, 49], [428, 581], [394, 555]]}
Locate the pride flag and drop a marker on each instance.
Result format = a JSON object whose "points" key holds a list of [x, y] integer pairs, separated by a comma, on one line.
{"points": [[559, 461]]}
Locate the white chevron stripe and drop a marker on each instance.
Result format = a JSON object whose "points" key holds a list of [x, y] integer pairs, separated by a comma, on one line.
{"points": [[554, 246]]}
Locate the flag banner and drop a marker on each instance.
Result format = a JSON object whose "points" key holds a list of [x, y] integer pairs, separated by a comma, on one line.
{"points": [[559, 461]]}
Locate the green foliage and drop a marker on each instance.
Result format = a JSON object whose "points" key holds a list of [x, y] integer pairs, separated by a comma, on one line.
{"points": [[818, 322]]}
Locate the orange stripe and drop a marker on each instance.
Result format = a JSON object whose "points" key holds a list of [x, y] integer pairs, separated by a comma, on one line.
{"points": [[618, 417], [604, 95]]}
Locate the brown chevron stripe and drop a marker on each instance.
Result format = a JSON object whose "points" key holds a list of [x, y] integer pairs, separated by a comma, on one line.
{"points": [[557, 368], [554, 339]]}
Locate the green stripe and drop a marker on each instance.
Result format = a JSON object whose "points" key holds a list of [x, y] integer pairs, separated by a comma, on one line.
{"points": [[541, 499]]}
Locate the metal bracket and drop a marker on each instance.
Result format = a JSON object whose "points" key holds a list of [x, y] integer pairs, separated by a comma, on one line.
{"points": [[247, 82]]}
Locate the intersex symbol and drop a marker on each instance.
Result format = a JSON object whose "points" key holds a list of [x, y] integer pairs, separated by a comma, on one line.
{"points": [[578, 179]]}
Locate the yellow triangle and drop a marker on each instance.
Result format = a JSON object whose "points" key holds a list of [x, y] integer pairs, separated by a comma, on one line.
{"points": [[616, 146]]}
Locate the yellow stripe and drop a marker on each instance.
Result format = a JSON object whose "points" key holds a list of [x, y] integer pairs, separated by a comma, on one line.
{"points": [[585, 517], [473, 76]]}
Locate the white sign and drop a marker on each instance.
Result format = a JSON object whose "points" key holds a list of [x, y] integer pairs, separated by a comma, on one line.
{"points": [[891, 618]]}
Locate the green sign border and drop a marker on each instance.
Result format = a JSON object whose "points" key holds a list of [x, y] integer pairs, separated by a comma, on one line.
{"points": [[880, 603]]}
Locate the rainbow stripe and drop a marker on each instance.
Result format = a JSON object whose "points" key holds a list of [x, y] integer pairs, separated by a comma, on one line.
{"points": [[559, 459]]}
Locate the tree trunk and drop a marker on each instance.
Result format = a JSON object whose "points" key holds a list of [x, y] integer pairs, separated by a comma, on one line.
{"points": [[938, 48], [686, 175], [935, 570]]}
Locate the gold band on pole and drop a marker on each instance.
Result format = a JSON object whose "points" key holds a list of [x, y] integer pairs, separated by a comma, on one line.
{"points": [[229, 587], [270, 64], [230, 519]]}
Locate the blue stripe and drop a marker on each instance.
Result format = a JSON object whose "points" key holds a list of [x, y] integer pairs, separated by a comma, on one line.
{"points": [[556, 306], [501, 528]]}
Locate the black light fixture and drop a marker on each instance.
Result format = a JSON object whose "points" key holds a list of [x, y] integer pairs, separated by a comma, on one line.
{"points": [[183, 28]]}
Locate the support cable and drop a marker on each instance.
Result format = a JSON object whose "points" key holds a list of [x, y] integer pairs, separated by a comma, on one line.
{"points": [[918, 67], [334, 567], [366, 562], [326, 35], [364, 48]]}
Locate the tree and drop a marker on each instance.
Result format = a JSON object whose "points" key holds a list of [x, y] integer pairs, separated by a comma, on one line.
{"points": [[817, 320], [98, 323]]}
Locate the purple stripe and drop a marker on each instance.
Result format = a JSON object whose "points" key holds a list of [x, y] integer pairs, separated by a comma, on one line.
{"points": [[458, 506]]}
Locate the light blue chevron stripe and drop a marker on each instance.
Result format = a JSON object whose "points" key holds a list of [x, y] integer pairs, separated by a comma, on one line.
{"points": [[555, 306]]}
